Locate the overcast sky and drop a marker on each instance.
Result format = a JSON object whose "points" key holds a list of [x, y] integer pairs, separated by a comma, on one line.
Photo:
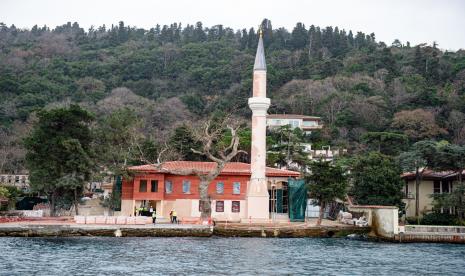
{"points": [[416, 21]]}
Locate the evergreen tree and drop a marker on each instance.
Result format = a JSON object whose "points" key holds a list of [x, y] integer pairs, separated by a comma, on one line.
{"points": [[183, 141], [122, 32], [59, 153], [244, 39], [299, 36], [326, 183], [376, 180], [253, 39], [199, 33]]}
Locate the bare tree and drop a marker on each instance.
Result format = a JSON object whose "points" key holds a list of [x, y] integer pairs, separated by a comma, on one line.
{"points": [[222, 157], [212, 137], [417, 124], [455, 124]]}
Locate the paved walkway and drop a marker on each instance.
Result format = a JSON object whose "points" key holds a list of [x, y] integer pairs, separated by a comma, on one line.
{"points": [[69, 222], [24, 224]]}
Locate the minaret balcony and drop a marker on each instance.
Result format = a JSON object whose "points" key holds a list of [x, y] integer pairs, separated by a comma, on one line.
{"points": [[259, 105]]}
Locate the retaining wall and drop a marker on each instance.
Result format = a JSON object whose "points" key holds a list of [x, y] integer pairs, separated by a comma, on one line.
{"points": [[431, 233]]}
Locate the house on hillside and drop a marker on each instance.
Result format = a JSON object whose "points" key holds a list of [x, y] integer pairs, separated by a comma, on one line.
{"points": [[165, 191], [306, 123], [20, 181], [432, 183]]}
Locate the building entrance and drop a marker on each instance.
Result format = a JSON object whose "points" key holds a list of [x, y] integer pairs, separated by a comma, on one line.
{"points": [[279, 200]]}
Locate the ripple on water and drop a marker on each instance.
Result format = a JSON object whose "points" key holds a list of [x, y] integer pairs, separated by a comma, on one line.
{"points": [[214, 256]]}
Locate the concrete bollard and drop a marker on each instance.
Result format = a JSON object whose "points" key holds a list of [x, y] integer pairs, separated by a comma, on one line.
{"points": [[100, 220], [90, 220], [120, 220]]}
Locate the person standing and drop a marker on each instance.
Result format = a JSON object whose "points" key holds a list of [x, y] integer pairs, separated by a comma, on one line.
{"points": [[171, 216], [175, 216], [154, 216]]}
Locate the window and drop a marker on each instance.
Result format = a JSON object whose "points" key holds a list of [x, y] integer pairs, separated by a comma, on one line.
{"points": [[445, 186], [220, 188], [294, 123], [143, 186], [220, 206], [17, 179], [437, 187], [186, 187], [309, 123], [168, 187], [236, 188], [406, 189], [154, 188], [236, 207]]}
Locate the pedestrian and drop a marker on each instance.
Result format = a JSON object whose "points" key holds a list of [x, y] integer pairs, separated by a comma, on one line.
{"points": [[175, 216], [154, 216], [171, 216], [151, 209]]}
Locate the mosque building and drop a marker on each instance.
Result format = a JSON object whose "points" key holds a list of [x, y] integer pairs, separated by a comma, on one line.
{"points": [[241, 192]]}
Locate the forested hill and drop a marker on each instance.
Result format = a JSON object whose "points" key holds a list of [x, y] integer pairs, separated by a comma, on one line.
{"points": [[175, 73]]}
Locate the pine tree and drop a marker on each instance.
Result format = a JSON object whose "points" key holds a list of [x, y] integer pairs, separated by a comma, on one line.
{"points": [[243, 39], [122, 32], [253, 40], [299, 36], [199, 33]]}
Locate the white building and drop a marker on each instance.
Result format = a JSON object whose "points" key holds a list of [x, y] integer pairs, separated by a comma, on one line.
{"points": [[306, 123], [20, 181]]}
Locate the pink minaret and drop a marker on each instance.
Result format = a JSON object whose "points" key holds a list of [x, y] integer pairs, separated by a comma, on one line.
{"points": [[257, 192]]}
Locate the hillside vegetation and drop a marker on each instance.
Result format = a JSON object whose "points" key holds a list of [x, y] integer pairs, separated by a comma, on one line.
{"points": [[170, 75]]}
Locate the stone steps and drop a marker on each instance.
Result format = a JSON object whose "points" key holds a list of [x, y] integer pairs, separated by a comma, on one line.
{"points": [[92, 207]]}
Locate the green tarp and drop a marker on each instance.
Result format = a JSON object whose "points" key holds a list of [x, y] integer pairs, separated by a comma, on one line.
{"points": [[117, 187], [279, 201], [297, 199]]}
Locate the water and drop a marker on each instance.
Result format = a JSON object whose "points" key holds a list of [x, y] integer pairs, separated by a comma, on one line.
{"points": [[215, 256]]}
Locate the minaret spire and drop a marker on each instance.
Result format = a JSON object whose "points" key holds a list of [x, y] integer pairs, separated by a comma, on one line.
{"points": [[260, 63]]}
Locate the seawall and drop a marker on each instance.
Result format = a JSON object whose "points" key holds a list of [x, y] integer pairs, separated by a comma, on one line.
{"points": [[103, 230], [431, 233], [284, 231], [169, 230]]}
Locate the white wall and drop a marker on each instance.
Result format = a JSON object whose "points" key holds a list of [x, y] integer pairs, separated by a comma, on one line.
{"points": [[383, 219]]}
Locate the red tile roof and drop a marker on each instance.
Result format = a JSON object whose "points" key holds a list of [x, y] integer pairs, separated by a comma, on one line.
{"points": [[431, 175], [232, 168]]}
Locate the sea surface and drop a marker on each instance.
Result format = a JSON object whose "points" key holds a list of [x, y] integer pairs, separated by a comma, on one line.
{"points": [[225, 256]]}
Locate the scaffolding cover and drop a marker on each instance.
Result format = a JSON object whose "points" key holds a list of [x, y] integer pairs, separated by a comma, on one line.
{"points": [[297, 199], [117, 187]]}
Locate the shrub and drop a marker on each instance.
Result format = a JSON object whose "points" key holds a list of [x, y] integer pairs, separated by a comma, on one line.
{"points": [[411, 220], [439, 219]]}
